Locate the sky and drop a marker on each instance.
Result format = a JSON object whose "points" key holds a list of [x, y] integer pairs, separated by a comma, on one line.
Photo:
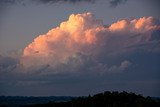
{"points": [[79, 47]]}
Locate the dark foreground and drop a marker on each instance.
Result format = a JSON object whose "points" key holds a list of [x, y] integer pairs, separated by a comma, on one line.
{"points": [[106, 99]]}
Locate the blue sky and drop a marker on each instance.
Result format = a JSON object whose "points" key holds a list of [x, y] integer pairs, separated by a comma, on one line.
{"points": [[136, 70]]}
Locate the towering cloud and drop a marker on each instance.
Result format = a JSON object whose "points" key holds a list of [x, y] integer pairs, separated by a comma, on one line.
{"points": [[82, 43]]}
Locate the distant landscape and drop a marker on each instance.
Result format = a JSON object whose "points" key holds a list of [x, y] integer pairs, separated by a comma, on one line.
{"points": [[16, 101], [106, 99]]}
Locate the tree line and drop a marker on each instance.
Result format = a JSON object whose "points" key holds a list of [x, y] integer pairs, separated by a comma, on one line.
{"points": [[106, 99]]}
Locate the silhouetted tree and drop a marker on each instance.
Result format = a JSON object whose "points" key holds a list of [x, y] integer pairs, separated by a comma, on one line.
{"points": [[106, 99]]}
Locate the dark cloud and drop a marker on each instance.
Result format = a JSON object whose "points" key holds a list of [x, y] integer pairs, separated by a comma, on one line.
{"points": [[142, 74], [115, 3], [7, 2], [71, 1], [11, 2], [7, 63], [23, 2], [144, 68]]}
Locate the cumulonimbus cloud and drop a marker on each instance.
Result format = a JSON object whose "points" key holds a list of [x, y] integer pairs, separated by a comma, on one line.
{"points": [[80, 43]]}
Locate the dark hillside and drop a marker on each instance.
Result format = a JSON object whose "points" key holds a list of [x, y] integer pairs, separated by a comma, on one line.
{"points": [[107, 99]]}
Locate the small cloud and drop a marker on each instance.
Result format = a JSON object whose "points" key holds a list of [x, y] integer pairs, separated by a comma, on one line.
{"points": [[115, 3], [125, 64], [115, 68]]}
